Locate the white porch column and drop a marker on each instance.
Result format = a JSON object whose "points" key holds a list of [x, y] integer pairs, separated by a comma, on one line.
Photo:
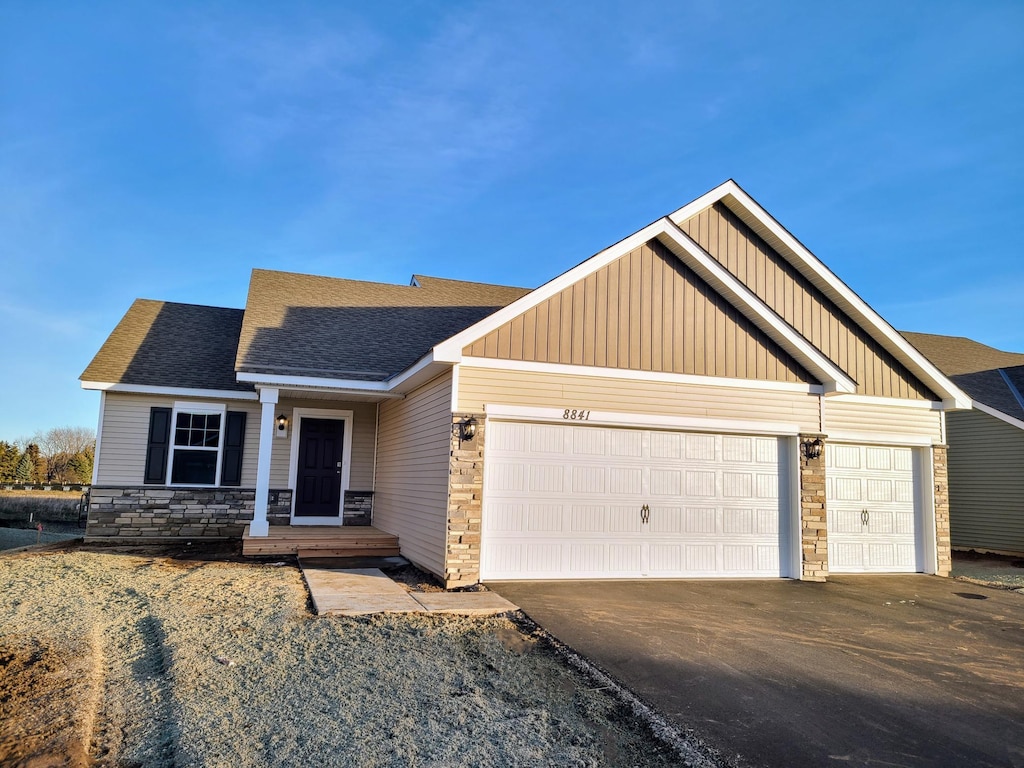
{"points": [[259, 525]]}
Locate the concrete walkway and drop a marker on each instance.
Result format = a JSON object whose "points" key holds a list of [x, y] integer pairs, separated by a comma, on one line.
{"points": [[360, 591]]}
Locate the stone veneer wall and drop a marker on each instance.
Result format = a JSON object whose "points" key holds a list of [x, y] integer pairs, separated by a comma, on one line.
{"points": [[358, 507], [156, 512], [940, 476], [813, 524], [465, 506]]}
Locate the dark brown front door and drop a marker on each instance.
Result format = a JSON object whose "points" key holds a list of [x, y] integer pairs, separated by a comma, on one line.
{"points": [[318, 480]]}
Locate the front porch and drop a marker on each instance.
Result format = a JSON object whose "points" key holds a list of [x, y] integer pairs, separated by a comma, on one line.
{"points": [[321, 541]]}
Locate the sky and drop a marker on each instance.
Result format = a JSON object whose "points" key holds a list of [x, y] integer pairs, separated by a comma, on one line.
{"points": [[163, 150]]}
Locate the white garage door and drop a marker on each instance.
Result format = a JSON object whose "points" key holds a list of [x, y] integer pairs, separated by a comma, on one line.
{"points": [[565, 501], [872, 514]]}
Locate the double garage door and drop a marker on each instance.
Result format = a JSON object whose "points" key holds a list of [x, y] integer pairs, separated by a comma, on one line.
{"points": [[568, 501], [574, 502]]}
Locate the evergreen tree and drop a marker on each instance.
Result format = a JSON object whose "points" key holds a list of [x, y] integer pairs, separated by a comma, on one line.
{"points": [[26, 468], [9, 457]]}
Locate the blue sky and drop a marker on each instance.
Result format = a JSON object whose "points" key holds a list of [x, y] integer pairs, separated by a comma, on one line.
{"points": [[164, 150]]}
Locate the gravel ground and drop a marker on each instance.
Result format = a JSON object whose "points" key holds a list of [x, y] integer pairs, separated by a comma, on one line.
{"points": [[989, 569], [124, 660]]}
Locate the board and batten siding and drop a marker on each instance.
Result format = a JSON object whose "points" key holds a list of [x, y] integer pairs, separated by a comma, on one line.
{"points": [[875, 418], [792, 296], [413, 453], [480, 386], [645, 311], [986, 482], [364, 427], [125, 430]]}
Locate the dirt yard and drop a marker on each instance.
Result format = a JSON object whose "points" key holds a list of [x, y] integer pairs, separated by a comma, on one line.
{"points": [[125, 660]]}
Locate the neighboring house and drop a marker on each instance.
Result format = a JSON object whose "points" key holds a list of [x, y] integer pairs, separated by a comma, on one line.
{"points": [[986, 444], [658, 410]]}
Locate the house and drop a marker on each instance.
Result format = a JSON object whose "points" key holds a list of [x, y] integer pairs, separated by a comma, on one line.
{"points": [[701, 399], [986, 443]]}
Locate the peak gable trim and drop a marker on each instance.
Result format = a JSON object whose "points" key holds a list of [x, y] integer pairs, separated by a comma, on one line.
{"points": [[707, 268], [778, 237]]}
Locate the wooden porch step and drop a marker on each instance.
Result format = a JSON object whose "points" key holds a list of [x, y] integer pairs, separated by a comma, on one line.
{"points": [[349, 552], [354, 541]]}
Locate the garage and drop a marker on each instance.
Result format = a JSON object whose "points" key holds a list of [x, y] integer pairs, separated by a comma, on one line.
{"points": [[575, 501], [872, 495]]}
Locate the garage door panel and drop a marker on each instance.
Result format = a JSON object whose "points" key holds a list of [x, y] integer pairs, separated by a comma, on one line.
{"points": [[621, 503], [666, 482], [624, 519], [589, 519], [625, 481], [737, 485], [700, 484]]}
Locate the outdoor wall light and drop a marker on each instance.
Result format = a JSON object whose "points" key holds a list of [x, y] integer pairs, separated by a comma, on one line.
{"points": [[813, 448], [282, 426], [465, 430]]}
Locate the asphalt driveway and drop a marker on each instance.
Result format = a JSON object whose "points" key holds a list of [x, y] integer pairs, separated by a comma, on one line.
{"points": [[860, 671]]}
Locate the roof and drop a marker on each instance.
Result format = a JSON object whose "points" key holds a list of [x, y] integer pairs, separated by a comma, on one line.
{"points": [[326, 327], [989, 375], [165, 344]]}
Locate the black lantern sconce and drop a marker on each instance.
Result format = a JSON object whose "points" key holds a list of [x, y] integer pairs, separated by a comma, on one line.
{"points": [[282, 426], [813, 448], [465, 430]]}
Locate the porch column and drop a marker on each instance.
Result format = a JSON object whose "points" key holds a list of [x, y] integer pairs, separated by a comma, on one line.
{"points": [[259, 525]]}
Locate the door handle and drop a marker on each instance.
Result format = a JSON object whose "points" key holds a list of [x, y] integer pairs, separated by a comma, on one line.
{"points": [[645, 514], [865, 517]]}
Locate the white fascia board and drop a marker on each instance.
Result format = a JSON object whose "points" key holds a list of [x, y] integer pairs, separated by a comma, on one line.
{"points": [[311, 382], [624, 373], [450, 350], [642, 420], [825, 279], [999, 415], [147, 389], [723, 281], [895, 402]]}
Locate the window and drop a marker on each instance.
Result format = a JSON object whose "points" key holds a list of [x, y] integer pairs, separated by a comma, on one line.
{"points": [[197, 442]]}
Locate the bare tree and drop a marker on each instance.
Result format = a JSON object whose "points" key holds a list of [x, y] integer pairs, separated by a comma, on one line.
{"points": [[68, 440], [68, 453]]}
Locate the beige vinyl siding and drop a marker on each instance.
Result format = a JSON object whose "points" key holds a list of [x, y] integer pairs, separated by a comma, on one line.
{"points": [[125, 431], [986, 482], [413, 451], [364, 426], [776, 282], [480, 386], [877, 418], [644, 312]]}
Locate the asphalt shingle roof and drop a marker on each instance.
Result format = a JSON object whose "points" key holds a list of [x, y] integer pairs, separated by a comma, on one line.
{"points": [[165, 344], [326, 327], [979, 370]]}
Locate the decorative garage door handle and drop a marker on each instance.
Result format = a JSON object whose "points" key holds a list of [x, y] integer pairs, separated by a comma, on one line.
{"points": [[645, 514], [865, 517]]}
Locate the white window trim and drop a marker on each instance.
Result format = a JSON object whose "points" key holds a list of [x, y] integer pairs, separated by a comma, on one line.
{"points": [[203, 408], [298, 414]]}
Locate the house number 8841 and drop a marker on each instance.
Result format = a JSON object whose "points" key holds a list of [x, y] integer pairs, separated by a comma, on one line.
{"points": [[572, 414]]}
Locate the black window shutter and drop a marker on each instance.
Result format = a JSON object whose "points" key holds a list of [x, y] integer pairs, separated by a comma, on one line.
{"points": [[159, 445], [234, 438]]}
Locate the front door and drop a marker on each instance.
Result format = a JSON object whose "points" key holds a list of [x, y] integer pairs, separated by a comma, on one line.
{"points": [[318, 476]]}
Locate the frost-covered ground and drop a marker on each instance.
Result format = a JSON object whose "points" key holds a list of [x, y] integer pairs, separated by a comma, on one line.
{"points": [[149, 661]]}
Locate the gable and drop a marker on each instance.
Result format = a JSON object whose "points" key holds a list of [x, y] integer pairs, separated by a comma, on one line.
{"points": [[645, 311], [803, 306]]}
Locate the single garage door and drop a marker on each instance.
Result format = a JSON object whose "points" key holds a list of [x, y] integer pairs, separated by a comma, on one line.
{"points": [[871, 494], [572, 501]]}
